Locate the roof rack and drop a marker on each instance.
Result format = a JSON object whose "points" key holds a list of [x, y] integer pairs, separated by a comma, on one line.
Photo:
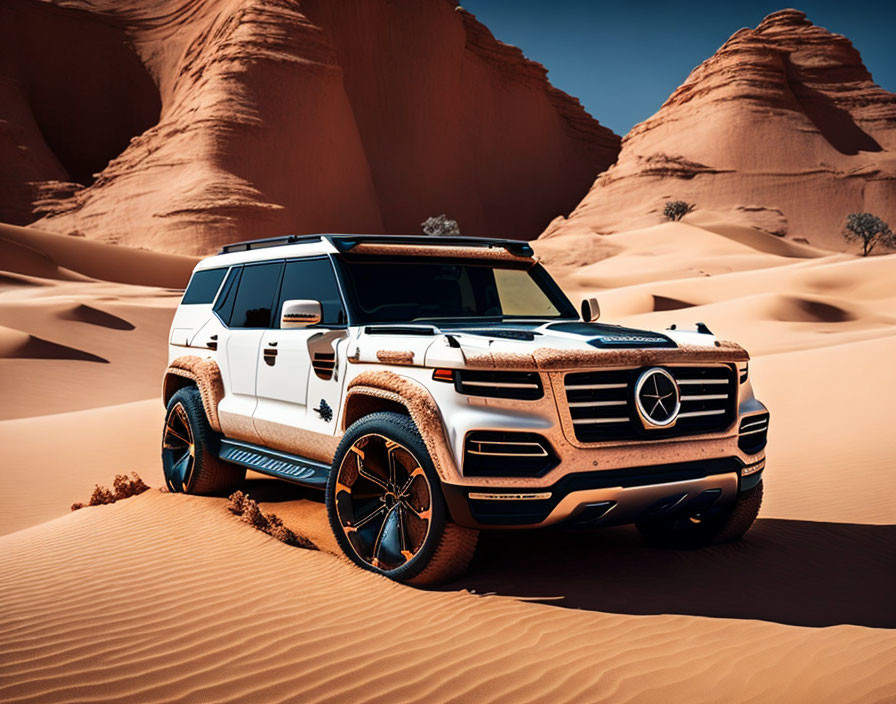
{"points": [[344, 243]]}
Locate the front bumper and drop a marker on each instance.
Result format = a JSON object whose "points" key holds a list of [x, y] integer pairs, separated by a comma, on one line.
{"points": [[607, 497]]}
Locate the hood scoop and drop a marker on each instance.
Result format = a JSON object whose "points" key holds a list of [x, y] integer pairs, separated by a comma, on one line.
{"points": [[614, 336]]}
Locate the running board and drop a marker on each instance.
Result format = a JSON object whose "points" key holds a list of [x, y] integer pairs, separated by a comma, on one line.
{"points": [[292, 468]]}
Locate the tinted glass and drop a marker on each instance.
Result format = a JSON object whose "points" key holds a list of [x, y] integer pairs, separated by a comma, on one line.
{"points": [[255, 294], [203, 286], [313, 279], [224, 304], [414, 289]]}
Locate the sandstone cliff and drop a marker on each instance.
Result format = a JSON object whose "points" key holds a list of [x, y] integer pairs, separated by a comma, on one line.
{"points": [[782, 129], [182, 124]]}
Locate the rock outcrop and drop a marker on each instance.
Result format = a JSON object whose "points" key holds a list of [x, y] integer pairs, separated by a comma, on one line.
{"points": [[182, 124], [782, 129]]}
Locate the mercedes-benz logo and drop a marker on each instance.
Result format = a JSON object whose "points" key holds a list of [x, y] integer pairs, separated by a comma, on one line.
{"points": [[657, 398]]}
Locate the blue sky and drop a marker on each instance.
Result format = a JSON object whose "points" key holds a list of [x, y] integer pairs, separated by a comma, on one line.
{"points": [[623, 59]]}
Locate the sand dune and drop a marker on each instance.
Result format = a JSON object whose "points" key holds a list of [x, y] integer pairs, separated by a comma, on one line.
{"points": [[170, 598], [166, 597], [97, 314]]}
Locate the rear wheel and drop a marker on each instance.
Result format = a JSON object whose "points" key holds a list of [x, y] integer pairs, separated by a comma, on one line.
{"points": [[190, 449], [386, 508], [714, 525]]}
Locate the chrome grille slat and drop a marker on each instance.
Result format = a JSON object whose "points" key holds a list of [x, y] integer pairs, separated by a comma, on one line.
{"points": [[593, 421], [698, 414], [588, 404]]}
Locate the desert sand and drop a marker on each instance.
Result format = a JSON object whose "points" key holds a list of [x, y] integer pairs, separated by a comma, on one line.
{"points": [[180, 125], [167, 597], [782, 129]]}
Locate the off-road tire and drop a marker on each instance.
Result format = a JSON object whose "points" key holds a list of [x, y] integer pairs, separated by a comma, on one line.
{"points": [[208, 474], [720, 526], [446, 551]]}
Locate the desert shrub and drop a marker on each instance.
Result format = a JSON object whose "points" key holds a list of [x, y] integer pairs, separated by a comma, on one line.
{"points": [[254, 516], [122, 488], [100, 496], [440, 225], [677, 209], [250, 512], [125, 487], [870, 230], [236, 502]]}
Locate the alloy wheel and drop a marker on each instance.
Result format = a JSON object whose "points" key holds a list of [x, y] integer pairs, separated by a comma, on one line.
{"points": [[383, 502], [178, 449]]}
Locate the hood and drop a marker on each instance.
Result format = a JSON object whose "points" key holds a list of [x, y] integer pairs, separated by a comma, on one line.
{"points": [[538, 345]]}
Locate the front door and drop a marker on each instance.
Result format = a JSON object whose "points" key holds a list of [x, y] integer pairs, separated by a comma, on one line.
{"points": [[299, 377]]}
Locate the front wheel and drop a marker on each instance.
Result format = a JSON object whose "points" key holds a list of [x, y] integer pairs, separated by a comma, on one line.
{"points": [[386, 508], [715, 525]]}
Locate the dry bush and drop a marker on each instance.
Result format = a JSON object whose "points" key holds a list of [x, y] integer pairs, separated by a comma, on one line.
{"points": [[254, 516], [249, 512], [123, 488], [100, 496], [677, 209], [236, 503]]}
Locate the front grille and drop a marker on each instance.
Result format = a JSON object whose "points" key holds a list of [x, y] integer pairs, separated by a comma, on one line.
{"points": [[489, 453], [753, 433], [520, 385], [602, 404]]}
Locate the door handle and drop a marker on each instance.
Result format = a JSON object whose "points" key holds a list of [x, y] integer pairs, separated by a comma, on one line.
{"points": [[270, 354], [212, 343]]}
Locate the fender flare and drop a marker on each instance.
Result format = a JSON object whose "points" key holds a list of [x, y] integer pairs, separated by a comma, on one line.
{"points": [[421, 407], [205, 374]]}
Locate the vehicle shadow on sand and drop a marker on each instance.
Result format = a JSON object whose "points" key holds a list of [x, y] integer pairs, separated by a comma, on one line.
{"points": [[793, 572]]}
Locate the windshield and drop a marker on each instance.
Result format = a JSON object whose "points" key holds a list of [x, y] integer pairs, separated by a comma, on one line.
{"points": [[413, 289]]}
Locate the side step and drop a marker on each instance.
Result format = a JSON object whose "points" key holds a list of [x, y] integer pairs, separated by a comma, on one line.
{"points": [[292, 468]]}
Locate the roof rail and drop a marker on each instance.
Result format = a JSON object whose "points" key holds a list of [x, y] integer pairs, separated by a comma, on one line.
{"points": [[268, 242], [344, 243]]}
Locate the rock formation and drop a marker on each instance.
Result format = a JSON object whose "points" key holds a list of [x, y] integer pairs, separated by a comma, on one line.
{"points": [[782, 129], [179, 125]]}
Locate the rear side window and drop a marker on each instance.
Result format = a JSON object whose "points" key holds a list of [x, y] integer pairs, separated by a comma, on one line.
{"points": [[257, 289], [312, 279], [203, 286], [224, 304]]}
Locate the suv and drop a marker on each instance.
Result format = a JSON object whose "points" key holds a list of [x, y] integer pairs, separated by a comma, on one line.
{"points": [[436, 387]]}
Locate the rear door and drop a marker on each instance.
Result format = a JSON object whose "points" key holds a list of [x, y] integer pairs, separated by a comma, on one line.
{"points": [[247, 315], [299, 369]]}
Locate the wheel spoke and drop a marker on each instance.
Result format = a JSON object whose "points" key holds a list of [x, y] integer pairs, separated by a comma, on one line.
{"points": [[387, 547], [369, 517], [393, 464], [369, 476], [407, 486], [172, 431], [179, 470]]}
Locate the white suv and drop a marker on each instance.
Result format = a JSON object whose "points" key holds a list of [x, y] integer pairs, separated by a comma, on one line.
{"points": [[435, 387]]}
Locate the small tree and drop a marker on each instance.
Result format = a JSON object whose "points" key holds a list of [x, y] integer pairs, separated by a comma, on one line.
{"points": [[677, 209], [440, 225], [870, 230]]}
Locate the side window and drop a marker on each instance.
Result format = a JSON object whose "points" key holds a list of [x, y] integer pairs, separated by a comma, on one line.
{"points": [[254, 304], [224, 304], [203, 286], [313, 279]]}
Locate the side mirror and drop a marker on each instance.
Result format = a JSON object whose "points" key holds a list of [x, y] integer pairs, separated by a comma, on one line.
{"points": [[299, 313], [590, 310]]}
